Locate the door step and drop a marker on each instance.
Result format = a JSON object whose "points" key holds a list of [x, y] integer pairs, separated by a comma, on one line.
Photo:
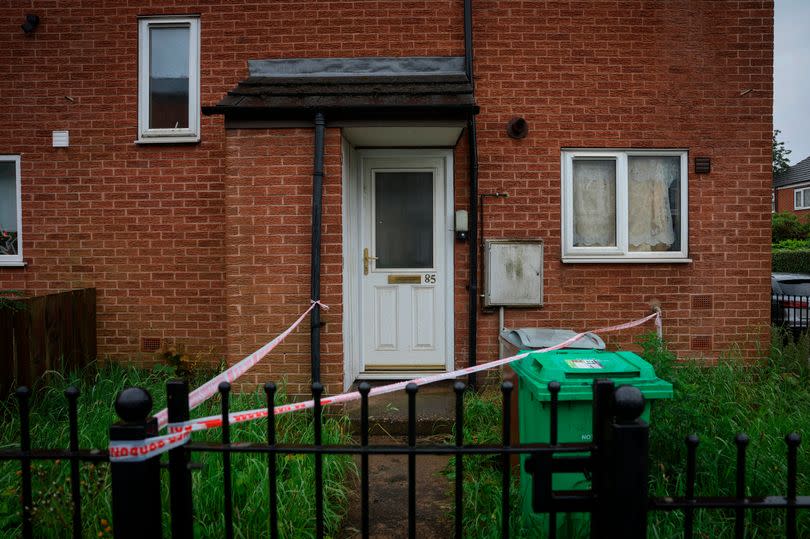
{"points": [[388, 414]]}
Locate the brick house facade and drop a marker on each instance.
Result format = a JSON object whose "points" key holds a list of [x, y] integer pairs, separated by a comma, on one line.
{"points": [[208, 243], [791, 189]]}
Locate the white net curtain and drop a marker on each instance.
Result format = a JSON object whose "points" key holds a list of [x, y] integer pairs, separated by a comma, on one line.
{"points": [[594, 202], [653, 187]]}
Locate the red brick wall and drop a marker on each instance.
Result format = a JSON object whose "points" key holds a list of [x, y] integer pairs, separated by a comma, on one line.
{"points": [[639, 75], [146, 224], [268, 199], [178, 250], [785, 202]]}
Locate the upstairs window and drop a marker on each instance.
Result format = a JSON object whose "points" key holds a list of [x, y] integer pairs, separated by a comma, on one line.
{"points": [[169, 79], [624, 206], [801, 199], [10, 211]]}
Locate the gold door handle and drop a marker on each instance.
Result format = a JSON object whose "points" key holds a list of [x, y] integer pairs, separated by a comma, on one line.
{"points": [[366, 258]]}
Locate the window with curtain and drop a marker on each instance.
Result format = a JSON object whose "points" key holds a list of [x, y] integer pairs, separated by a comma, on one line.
{"points": [[10, 211], [594, 187], [624, 205]]}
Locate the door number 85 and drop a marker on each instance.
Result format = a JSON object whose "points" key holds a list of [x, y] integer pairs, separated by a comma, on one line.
{"points": [[430, 278]]}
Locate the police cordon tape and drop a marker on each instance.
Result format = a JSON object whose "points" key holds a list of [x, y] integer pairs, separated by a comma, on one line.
{"points": [[160, 444], [210, 388], [180, 433]]}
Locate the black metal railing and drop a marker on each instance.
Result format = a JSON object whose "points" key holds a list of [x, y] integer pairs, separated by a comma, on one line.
{"points": [[791, 311], [616, 461]]}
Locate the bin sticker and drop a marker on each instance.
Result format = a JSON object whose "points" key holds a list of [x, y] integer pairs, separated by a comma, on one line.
{"points": [[584, 364]]}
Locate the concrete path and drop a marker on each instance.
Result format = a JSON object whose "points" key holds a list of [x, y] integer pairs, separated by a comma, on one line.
{"points": [[388, 495]]}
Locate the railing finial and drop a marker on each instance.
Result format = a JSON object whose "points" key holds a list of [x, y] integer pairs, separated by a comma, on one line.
{"points": [[133, 405], [629, 404]]}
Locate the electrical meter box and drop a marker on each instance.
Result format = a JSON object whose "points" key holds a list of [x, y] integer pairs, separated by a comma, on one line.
{"points": [[513, 273]]}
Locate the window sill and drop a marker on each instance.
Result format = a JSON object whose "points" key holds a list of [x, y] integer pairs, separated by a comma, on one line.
{"points": [[168, 140], [14, 264], [622, 260]]}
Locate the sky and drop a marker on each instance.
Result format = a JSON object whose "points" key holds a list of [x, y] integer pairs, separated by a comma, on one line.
{"points": [[791, 74]]}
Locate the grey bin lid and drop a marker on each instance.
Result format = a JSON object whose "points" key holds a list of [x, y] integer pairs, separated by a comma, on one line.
{"points": [[536, 338]]}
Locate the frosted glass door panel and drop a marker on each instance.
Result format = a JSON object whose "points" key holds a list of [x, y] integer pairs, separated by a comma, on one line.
{"points": [[403, 219]]}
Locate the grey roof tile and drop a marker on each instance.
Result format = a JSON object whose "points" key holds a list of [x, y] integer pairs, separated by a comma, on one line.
{"points": [[800, 172], [393, 84]]}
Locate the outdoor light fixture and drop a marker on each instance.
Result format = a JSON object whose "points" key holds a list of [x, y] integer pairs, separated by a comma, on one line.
{"points": [[30, 24], [462, 225]]}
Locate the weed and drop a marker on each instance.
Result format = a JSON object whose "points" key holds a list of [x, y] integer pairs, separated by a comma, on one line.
{"points": [[99, 387], [12, 300], [766, 399], [483, 474]]}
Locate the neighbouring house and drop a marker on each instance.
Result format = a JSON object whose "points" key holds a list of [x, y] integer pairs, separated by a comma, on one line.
{"points": [[209, 167], [792, 189]]}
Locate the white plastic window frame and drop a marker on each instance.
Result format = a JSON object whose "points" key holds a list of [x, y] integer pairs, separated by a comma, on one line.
{"points": [[147, 135], [15, 260], [803, 198], [621, 252]]}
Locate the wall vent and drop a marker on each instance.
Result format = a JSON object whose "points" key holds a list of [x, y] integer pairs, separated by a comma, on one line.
{"points": [[702, 302], [701, 343], [150, 344], [703, 165]]}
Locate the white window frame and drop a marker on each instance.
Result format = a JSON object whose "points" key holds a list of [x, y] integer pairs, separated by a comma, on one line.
{"points": [[147, 135], [15, 260], [621, 252], [804, 194]]}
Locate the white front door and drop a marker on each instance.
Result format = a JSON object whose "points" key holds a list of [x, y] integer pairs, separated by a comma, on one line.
{"points": [[403, 265]]}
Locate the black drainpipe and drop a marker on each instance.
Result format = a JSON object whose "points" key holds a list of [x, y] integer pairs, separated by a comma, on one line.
{"points": [[315, 264], [473, 213]]}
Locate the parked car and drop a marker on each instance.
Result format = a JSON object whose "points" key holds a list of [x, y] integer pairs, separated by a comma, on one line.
{"points": [[790, 300]]}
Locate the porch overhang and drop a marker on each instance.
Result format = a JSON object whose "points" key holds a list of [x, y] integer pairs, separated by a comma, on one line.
{"points": [[351, 89]]}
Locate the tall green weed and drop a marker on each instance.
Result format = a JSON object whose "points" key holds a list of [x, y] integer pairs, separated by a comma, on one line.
{"points": [[49, 429], [766, 399]]}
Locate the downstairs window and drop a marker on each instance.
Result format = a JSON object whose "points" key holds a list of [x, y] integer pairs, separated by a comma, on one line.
{"points": [[10, 211], [624, 206]]}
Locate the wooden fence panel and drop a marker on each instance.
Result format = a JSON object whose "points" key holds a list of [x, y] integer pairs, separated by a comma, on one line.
{"points": [[6, 349], [53, 332], [86, 311], [22, 348]]}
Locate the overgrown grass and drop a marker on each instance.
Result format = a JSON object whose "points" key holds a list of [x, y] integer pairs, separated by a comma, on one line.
{"points": [[766, 400], [483, 474], [52, 508]]}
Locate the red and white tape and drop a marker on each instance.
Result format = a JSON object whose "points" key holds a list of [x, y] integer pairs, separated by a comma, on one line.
{"points": [[210, 388], [179, 433]]}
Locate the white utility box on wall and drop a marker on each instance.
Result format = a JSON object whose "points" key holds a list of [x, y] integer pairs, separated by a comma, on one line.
{"points": [[513, 273]]}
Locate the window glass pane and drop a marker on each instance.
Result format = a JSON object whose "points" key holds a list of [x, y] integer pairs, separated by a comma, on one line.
{"points": [[404, 219], [594, 193], [168, 77], [654, 191], [8, 208], [797, 196]]}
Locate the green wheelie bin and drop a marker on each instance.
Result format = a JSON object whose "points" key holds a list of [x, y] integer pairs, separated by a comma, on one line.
{"points": [[575, 370]]}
